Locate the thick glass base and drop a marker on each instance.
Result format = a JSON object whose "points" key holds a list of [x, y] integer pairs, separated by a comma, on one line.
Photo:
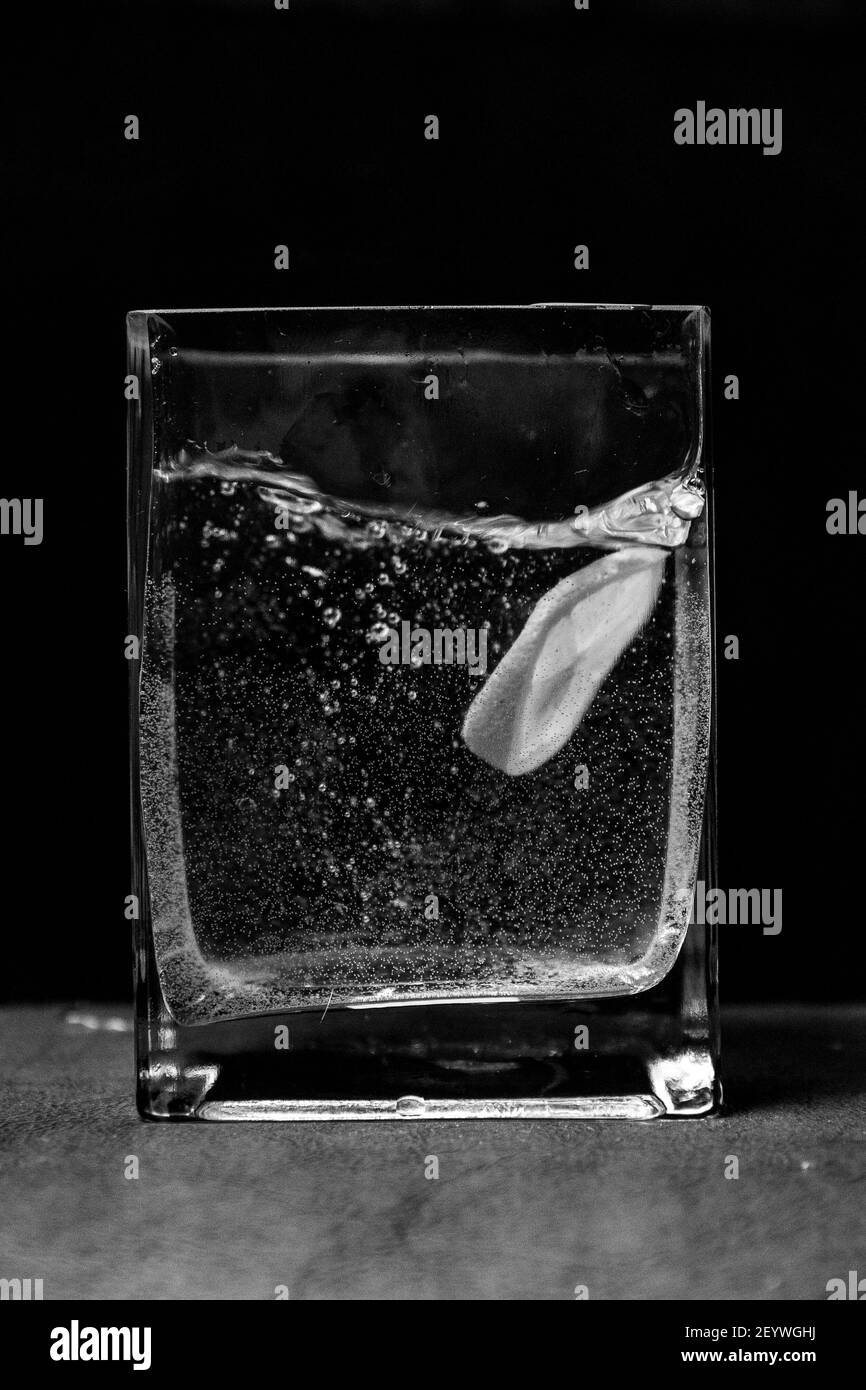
{"points": [[644, 1057]]}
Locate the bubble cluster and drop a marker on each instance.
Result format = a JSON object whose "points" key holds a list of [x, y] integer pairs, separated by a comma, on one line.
{"points": [[268, 898]]}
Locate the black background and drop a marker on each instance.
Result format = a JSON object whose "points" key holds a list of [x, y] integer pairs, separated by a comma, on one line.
{"points": [[306, 127]]}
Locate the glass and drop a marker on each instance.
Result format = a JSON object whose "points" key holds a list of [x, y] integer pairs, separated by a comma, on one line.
{"points": [[421, 723]]}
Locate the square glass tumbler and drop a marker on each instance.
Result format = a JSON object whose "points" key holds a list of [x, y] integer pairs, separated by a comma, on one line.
{"points": [[421, 712]]}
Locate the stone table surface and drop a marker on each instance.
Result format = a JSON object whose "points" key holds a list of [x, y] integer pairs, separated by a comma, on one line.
{"points": [[521, 1210]]}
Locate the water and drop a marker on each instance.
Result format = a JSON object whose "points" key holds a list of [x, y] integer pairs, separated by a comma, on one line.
{"points": [[324, 828]]}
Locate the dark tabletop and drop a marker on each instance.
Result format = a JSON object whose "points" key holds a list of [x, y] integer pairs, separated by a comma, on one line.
{"points": [[521, 1210]]}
